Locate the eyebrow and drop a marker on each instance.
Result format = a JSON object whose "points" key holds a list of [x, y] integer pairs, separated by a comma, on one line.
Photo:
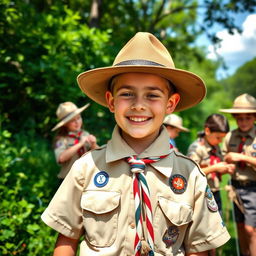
{"points": [[130, 87]]}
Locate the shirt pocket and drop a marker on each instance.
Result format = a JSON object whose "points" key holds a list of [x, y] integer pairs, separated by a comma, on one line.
{"points": [[100, 216], [171, 216]]}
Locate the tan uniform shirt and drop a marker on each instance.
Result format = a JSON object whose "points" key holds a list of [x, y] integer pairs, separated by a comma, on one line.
{"points": [[199, 151], [231, 144], [62, 144], [96, 201]]}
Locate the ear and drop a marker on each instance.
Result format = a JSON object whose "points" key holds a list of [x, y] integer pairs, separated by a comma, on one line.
{"points": [[172, 103], [207, 131], [110, 101]]}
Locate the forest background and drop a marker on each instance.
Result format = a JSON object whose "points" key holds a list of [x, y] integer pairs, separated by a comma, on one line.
{"points": [[44, 45]]}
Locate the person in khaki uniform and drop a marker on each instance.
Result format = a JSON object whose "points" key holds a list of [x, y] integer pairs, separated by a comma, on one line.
{"points": [[135, 195], [71, 141], [207, 153], [174, 126], [240, 148]]}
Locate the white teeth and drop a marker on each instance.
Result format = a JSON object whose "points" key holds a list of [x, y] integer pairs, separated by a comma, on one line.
{"points": [[138, 119]]}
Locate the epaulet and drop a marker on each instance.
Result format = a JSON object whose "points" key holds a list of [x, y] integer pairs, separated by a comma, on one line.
{"points": [[178, 154], [95, 149], [101, 147]]}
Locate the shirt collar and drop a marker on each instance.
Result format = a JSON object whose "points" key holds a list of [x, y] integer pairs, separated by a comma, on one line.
{"points": [[118, 149], [251, 133], [208, 146]]}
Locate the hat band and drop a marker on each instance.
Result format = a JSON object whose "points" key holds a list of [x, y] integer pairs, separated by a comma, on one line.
{"points": [[66, 116], [244, 107], [138, 62]]}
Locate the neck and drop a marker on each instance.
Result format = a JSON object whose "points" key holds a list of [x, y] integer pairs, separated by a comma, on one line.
{"points": [[139, 145]]}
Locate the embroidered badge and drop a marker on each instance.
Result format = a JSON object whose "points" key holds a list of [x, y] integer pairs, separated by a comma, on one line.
{"points": [[178, 183], [210, 201], [170, 236], [254, 146], [101, 179], [254, 154]]}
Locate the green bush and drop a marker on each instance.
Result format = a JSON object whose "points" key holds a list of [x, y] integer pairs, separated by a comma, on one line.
{"points": [[27, 183]]}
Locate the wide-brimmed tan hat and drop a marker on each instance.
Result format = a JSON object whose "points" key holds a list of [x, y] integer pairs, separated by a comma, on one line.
{"points": [[144, 53], [244, 103], [66, 111], [175, 121]]}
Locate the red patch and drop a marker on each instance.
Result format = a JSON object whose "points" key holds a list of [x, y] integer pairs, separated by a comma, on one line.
{"points": [[178, 183]]}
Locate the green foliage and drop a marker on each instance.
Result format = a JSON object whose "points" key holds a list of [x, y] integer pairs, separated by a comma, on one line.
{"points": [[243, 81], [26, 187], [41, 55]]}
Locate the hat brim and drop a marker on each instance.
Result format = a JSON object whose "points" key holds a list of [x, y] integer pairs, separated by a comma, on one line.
{"points": [[69, 117], [94, 83], [238, 110], [183, 129]]}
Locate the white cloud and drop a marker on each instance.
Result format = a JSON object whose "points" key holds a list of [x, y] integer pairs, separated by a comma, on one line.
{"points": [[238, 48]]}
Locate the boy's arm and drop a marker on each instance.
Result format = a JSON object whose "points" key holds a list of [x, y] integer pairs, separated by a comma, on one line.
{"points": [[65, 246], [198, 254], [232, 157]]}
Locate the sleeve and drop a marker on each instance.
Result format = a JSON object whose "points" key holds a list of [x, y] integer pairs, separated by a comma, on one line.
{"points": [[207, 229], [194, 154], [64, 214], [225, 144], [59, 146]]}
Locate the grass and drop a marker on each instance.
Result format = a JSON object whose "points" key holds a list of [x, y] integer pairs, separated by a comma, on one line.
{"points": [[230, 248]]}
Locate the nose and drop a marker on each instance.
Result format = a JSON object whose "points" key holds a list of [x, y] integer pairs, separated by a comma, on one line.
{"points": [[138, 104]]}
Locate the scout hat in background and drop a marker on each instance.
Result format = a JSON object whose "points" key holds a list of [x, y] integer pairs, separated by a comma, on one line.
{"points": [[244, 103], [66, 111], [175, 121], [144, 53]]}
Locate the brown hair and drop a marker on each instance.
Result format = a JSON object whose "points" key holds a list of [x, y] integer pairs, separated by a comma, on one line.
{"points": [[217, 123]]}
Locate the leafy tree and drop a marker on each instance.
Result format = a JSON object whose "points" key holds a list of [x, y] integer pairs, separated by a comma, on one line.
{"points": [[243, 81]]}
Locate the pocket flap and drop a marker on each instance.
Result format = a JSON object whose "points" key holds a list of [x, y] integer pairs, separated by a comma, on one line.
{"points": [[100, 202], [178, 213]]}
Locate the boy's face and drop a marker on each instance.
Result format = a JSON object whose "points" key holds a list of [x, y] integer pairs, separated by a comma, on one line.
{"points": [[245, 122], [140, 102], [173, 131], [214, 138], [74, 124]]}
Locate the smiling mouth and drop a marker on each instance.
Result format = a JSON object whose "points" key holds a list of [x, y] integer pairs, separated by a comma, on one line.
{"points": [[138, 119]]}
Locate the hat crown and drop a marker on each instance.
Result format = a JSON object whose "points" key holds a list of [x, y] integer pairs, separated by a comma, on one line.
{"points": [[245, 101], [144, 47], [65, 109], [173, 120]]}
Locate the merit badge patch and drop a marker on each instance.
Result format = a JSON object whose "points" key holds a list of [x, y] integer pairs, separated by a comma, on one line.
{"points": [[101, 179], [170, 236], [254, 146], [210, 201], [178, 183]]}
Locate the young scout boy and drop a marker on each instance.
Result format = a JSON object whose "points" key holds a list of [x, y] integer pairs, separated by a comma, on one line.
{"points": [[240, 148], [119, 206], [174, 126]]}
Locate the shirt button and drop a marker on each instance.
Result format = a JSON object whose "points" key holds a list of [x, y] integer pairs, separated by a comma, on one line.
{"points": [[132, 225]]}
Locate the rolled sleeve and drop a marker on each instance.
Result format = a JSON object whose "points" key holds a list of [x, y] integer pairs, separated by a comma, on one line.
{"points": [[207, 230], [64, 214]]}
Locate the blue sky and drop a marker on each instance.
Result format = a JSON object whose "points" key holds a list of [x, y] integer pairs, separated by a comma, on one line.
{"points": [[235, 49]]}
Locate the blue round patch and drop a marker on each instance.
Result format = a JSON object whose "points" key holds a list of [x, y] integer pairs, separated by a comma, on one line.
{"points": [[254, 146], [101, 179]]}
